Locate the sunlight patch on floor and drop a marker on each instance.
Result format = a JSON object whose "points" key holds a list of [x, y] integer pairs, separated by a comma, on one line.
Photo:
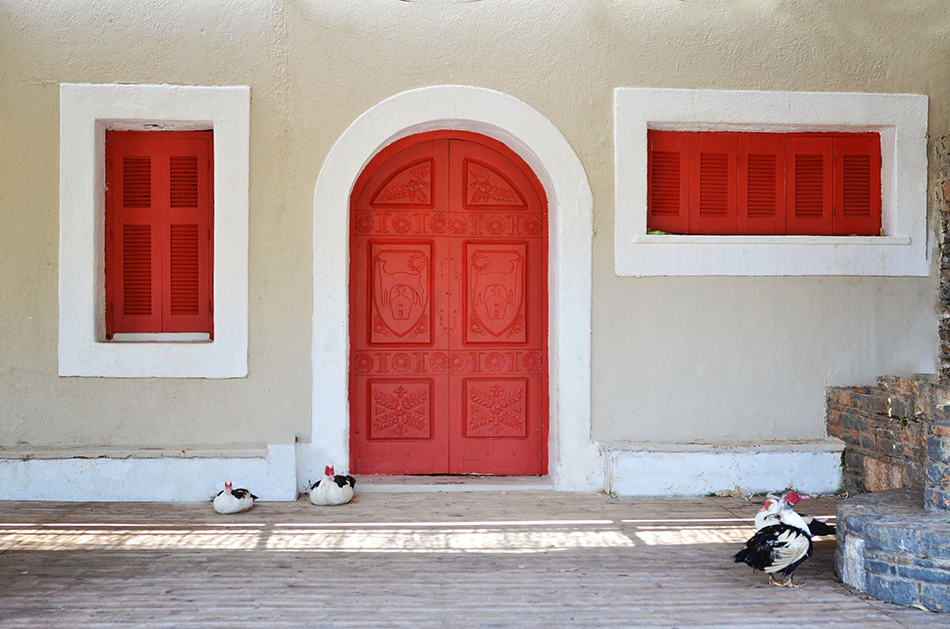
{"points": [[446, 541], [686, 535], [489, 536], [130, 539], [441, 524]]}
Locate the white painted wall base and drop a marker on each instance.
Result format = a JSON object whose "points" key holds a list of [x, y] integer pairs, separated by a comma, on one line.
{"points": [[700, 469], [278, 473], [148, 476]]}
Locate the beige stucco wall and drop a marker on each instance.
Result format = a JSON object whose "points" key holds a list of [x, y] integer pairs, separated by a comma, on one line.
{"points": [[672, 358]]}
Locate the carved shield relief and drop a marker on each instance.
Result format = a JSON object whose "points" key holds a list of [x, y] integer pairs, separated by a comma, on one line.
{"points": [[496, 278], [401, 285]]}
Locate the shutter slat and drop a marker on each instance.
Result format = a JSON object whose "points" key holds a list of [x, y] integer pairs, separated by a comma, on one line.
{"points": [[713, 184], [136, 270], [136, 182], [665, 191], [183, 269], [183, 173], [857, 181], [760, 186], [809, 182]]}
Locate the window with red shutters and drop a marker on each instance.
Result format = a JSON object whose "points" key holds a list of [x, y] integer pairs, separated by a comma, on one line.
{"points": [[159, 222], [764, 183]]}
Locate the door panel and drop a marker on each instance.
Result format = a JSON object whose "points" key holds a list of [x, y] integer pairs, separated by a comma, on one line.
{"points": [[495, 293], [448, 311], [401, 285]]}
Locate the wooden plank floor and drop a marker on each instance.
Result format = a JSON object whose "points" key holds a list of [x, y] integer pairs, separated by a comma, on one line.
{"points": [[468, 559]]}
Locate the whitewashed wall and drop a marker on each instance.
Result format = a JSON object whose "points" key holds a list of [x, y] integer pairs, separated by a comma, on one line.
{"points": [[683, 359]]}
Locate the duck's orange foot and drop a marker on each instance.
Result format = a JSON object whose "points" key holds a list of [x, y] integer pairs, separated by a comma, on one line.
{"points": [[785, 584]]}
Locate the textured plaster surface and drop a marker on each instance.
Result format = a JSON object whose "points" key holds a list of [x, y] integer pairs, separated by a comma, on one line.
{"points": [[672, 359]]}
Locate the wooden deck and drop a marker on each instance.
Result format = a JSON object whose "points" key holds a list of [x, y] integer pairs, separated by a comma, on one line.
{"points": [[485, 559]]}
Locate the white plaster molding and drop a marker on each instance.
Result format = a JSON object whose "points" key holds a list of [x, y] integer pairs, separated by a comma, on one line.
{"points": [[701, 469], [149, 478], [86, 112], [575, 463], [901, 119]]}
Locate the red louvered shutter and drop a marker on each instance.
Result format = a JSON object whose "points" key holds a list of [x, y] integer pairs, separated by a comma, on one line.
{"points": [[817, 184], [187, 291], [133, 227], [761, 183], [668, 181], [857, 185], [809, 185], [158, 232], [712, 203]]}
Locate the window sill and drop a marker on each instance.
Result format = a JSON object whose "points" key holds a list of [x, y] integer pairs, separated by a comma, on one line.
{"points": [[704, 239], [700, 255], [167, 337]]}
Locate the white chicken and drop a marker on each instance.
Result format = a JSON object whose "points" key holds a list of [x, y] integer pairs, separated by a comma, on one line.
{"points": [[332, 489], [228, 500]]}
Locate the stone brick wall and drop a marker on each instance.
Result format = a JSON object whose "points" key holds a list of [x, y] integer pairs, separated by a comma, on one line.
{"points": [[884, 428], [940, 180], [937, 493], [893, 550]]}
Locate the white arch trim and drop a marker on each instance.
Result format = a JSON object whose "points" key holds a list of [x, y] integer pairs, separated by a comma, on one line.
{"points": [[575, 462]]}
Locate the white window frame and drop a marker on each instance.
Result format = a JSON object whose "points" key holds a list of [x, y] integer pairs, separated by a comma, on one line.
{"points": [[901, 120], [87, 111]]}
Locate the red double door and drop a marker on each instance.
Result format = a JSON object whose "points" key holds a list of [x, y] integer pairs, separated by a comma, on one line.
{"points": [[448, 310]]}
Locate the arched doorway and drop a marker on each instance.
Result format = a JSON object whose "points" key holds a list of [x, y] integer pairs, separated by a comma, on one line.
{"points": [[448, 322]]}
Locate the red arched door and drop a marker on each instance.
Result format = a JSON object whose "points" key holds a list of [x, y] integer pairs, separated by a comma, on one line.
{"points": [[448, 310]]}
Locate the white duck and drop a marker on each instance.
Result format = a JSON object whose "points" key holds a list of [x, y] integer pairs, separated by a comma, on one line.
{"points": [[782, 540], [230, 500], [332, 489], [815, 526], [768, 514]]}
